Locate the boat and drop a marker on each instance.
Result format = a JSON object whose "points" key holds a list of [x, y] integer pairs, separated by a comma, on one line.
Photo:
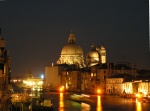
{"points": [[81, 98]]}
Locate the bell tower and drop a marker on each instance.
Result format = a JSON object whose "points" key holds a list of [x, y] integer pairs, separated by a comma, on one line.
{"points": [[103, 54]]}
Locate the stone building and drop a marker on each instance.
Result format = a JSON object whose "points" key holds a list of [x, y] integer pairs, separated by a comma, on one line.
{"points": [[5, 75]]}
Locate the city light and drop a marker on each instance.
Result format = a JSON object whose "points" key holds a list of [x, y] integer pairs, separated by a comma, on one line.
{"points": [[42, 76], [33, 83], [98, 91], [61, 89]]}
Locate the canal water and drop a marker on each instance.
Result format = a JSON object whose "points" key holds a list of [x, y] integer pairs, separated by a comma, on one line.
{"points": [[61, 102]]}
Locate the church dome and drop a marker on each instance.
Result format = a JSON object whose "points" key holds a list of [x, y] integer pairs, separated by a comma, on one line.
{"points": [[72, 53], [72, 49], [93, 56], [93, 53]]}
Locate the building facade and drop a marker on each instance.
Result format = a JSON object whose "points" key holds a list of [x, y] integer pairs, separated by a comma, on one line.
{"points": [[5, 76], [53, 77]]}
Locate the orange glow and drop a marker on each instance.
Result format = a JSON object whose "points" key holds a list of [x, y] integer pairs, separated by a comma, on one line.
{"points": [[98, 91], [61, 89], [99, 107], [61, 102], [138, 106], [138, 95]]}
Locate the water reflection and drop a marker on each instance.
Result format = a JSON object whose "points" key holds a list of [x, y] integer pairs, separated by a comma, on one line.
{"points": [[99, 107], [61, 102], [138, 105]]}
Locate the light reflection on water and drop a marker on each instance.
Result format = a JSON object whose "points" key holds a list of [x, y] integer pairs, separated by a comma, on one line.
{"points": [[61, 102], [83, 106], [138, 105], [101, 103], [99, 107]]}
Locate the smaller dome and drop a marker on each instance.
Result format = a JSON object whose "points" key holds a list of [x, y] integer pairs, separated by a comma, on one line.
{"points": [[93, 53], [93, 56]]}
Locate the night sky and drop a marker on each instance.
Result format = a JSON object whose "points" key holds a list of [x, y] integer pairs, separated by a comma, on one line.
{"points": [[37, 30]]}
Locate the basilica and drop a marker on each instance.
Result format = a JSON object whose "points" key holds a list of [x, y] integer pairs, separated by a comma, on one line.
{"points": [[67, 70], [72, 53], [85, 73]]}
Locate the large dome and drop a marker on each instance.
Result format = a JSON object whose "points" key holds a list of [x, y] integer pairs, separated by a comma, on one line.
{"points": [[72, 49], [72, 53]]}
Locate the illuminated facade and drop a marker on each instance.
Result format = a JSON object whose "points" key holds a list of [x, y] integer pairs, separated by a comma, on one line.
{"points": [[144, 87], [114, 85], [5, 75], [70, 80], [72, 53], [137, 85], [53, 77], [34, 83], [127, 84]]}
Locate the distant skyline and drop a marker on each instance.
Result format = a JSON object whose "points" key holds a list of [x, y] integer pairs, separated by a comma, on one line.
{"points": [[36, 30]]}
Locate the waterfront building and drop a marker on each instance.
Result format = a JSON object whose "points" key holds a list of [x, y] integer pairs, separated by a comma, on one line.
{"points": [[71, 80], [97, 76], [53, 77], [5, 76], [114, 84], [127, 84], [137, 85], [144, 86]]}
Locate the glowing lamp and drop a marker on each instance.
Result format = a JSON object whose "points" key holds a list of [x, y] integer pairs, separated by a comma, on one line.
{"points": [[98, 91], [61, 89]]}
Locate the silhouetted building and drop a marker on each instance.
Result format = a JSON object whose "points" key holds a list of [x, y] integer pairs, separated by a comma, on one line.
{"points": [[5, 76]]}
